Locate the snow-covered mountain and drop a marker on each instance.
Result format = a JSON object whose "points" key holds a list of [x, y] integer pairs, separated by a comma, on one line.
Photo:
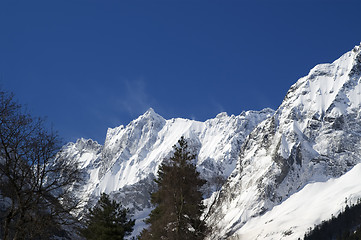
{"points": [[278, 164], [127, 163], [314, 136]]}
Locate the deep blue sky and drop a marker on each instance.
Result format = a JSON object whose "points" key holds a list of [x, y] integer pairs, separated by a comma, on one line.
{"points": [[88, 65]]}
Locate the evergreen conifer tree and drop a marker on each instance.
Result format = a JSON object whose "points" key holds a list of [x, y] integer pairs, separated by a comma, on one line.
{"points": [[178, 200], [107, 221]]}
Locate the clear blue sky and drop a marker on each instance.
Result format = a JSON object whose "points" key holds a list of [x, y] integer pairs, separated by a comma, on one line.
{"points": [[88, 65]]}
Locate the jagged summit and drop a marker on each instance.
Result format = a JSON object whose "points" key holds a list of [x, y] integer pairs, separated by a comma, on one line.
{"points": [[150, 119], [89, 143], [151, 114], [221, 115], [150, 111], [328, 88], [357, 48]]}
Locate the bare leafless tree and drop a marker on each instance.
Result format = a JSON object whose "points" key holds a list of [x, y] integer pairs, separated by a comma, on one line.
{"points": [[36, 184]]}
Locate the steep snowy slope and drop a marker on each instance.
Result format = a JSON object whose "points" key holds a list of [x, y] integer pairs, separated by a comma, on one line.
{"points": [[128, 162], [315, 135]]}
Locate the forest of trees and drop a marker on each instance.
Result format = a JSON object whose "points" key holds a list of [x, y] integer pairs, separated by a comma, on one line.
{"points": [[346, 226]]}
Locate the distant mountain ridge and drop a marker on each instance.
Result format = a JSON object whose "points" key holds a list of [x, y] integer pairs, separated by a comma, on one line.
{"points": [[266, 156]]}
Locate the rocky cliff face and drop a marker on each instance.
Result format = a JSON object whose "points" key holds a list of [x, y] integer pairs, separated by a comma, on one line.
{"points": [[314, 135]]}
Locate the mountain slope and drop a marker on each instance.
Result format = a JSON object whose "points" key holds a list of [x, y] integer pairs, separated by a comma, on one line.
{"points": [[314, 135]]}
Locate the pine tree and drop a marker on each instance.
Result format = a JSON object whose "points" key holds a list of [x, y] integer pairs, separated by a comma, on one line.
{"points": [[107, 221], [178, 201]]}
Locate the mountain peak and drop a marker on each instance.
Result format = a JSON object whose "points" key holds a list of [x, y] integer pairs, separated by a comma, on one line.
{"points": [[222, 115], [150, 111], [149, 115], [83, 143], [357, 48], [330, 87]]}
